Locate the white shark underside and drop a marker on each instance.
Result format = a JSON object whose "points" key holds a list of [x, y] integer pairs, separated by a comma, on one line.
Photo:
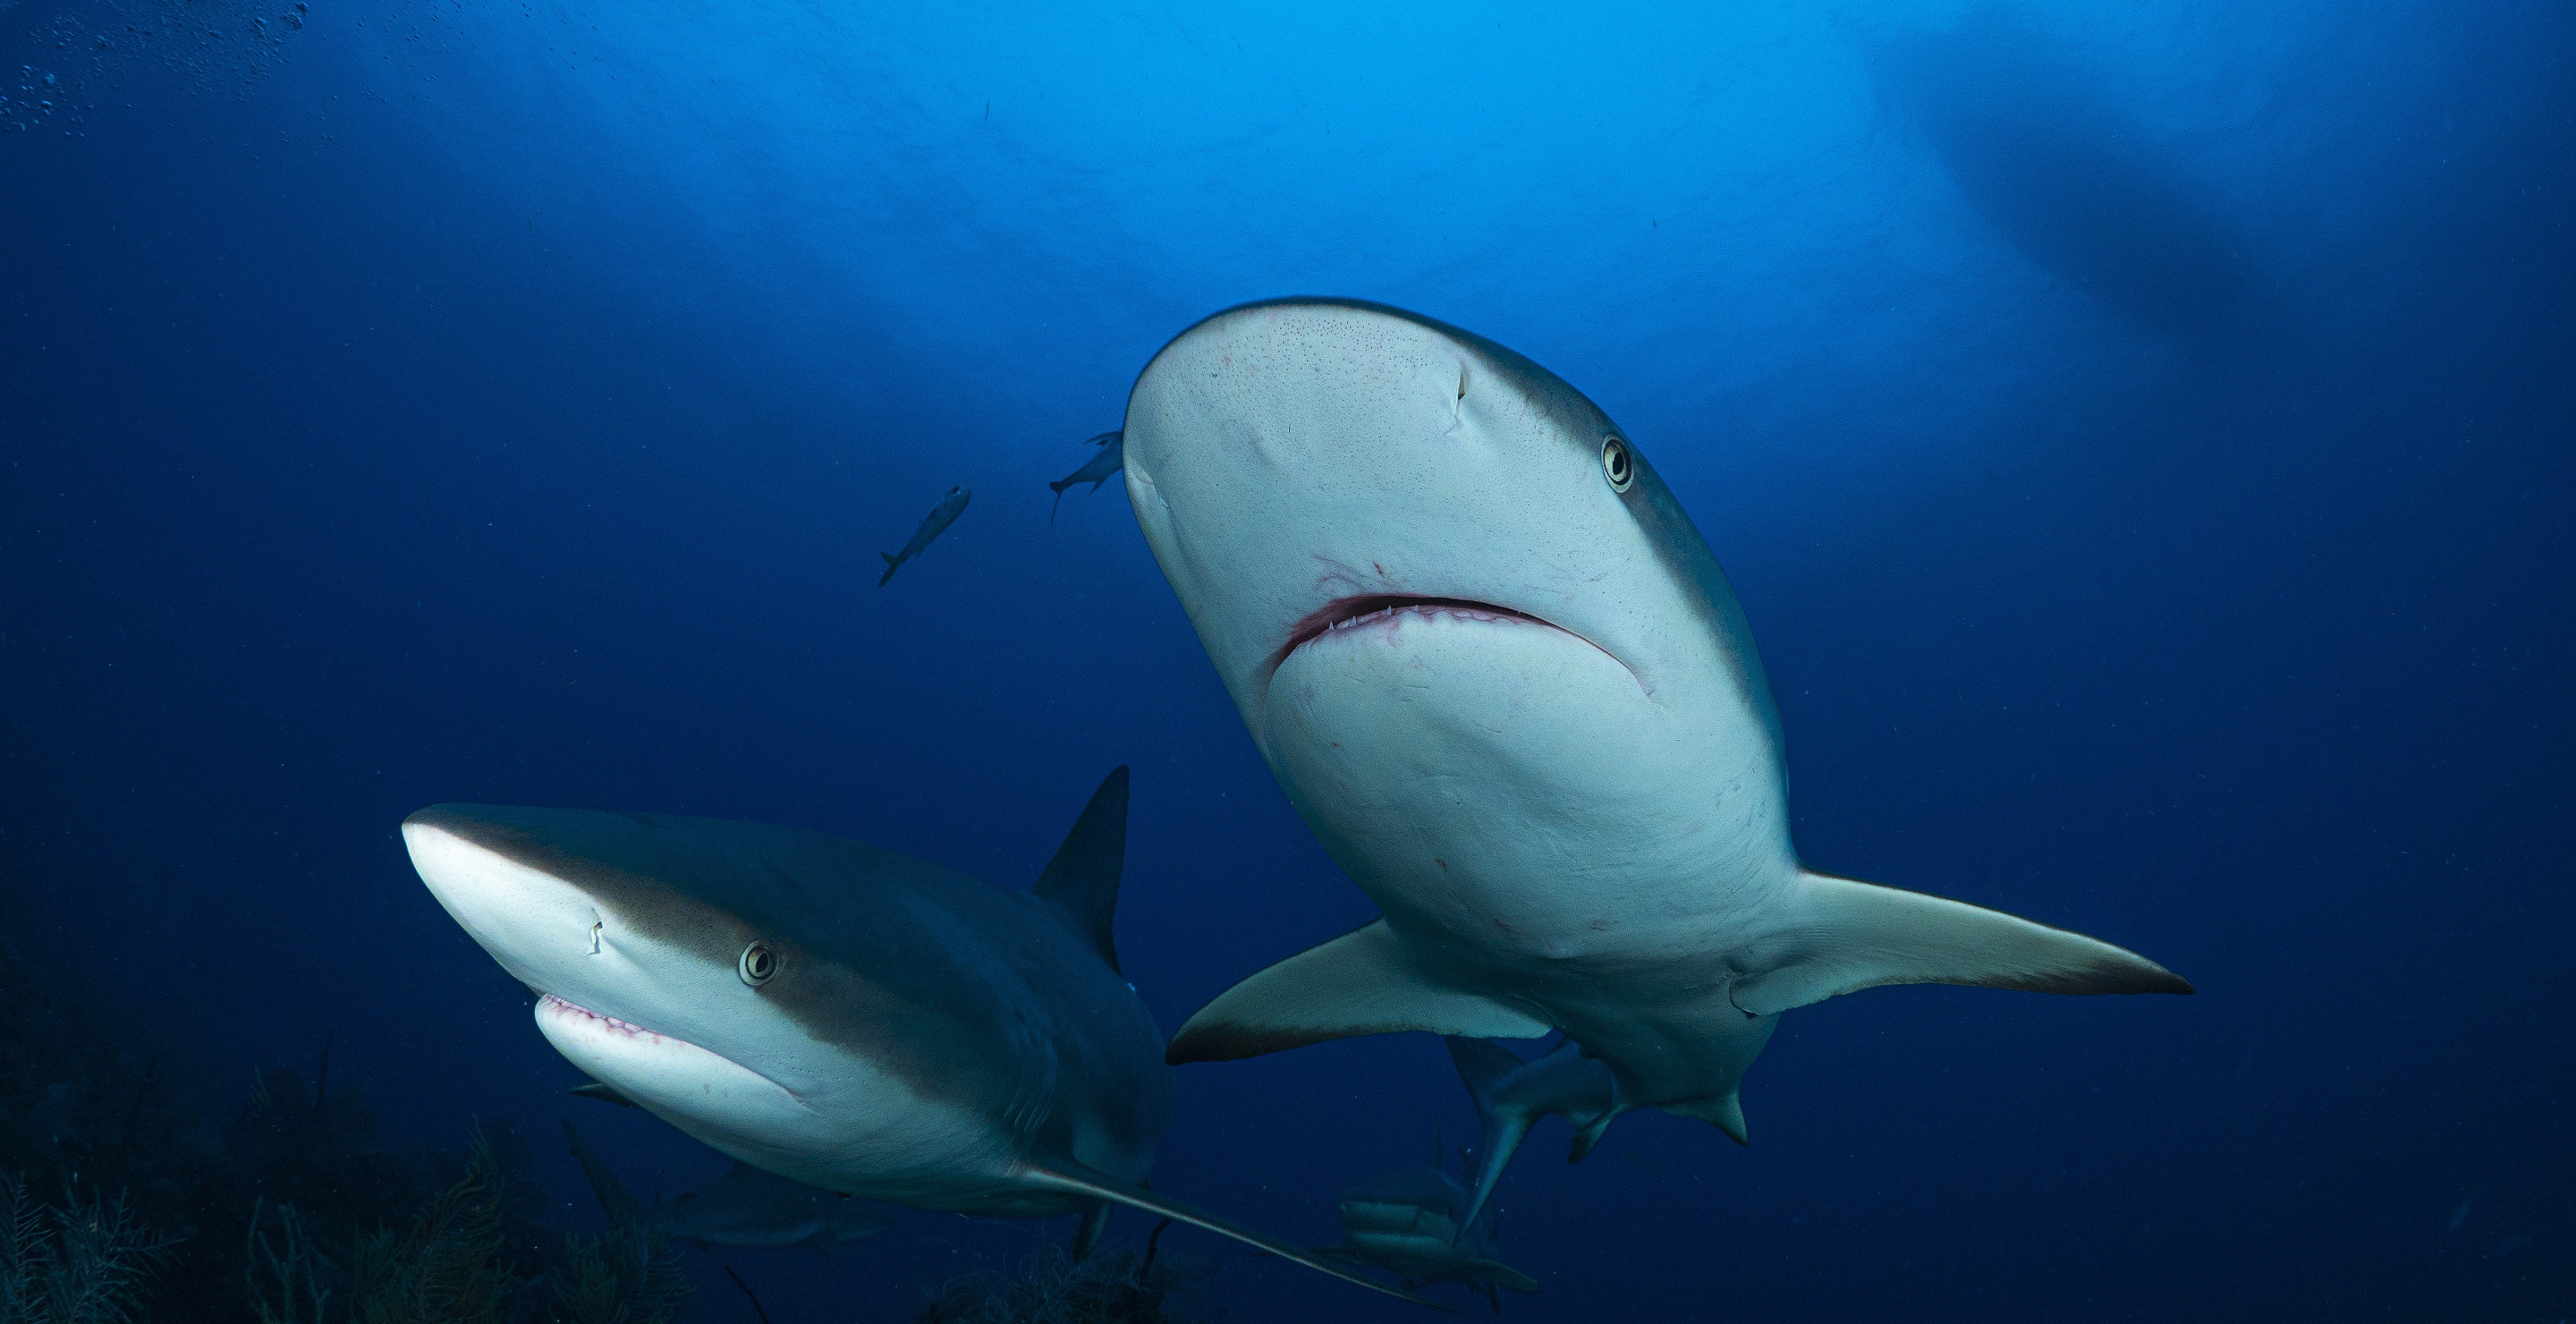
{"points": [[1498, 672]]}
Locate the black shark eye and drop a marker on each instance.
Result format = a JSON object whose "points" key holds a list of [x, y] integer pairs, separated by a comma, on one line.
{"points": [[759, 964], [1615, 464]]}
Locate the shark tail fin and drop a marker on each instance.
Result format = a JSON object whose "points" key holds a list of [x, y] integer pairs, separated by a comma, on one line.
{"points": [[1087, 1233], [1850, 935], [1081, 883], [613, 1195], [893, 563], [1483, 1065], [1359, 983], [1073, 1178]]}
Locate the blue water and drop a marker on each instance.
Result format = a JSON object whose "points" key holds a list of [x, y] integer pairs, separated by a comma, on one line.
{"points": [[2141, 437]]}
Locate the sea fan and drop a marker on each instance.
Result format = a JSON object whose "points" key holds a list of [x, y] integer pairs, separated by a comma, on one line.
{"points": [[87, 1262]]}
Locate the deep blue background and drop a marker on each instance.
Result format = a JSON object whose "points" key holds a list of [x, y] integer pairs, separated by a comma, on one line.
{"points": [[2140, 435]]}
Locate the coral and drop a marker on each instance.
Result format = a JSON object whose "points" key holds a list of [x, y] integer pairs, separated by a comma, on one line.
{"points": [[86, 1262], [451, 1266], [287, 1281], [1051, 1287], [299, 1214]]}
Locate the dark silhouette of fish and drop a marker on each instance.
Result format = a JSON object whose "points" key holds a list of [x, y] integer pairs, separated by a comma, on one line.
{"points": [[1095, 471], [932, 525], [2064, 177]]}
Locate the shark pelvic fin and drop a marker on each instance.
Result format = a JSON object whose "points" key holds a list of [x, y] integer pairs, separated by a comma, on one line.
{"points": [[595, 1090], [1850, 935], [1073, 1178], [1359, 983], [1725, 1112], [1081, 883], [1495, 1271], [1590, 1134]]}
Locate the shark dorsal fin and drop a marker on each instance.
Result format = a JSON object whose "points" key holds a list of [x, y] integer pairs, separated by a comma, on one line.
{"points": [[1081, 883]]}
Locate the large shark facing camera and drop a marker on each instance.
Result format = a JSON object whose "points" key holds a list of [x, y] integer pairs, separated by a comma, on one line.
{"points": [[837, 1014], [1498, 672]]}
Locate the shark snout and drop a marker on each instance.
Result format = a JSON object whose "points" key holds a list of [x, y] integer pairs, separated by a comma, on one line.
{"points": [[531, 922]]}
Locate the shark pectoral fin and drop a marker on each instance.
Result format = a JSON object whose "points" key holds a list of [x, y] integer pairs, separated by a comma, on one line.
{"points": [[1852, 935], [1494, 1271], [1080, 884], [1359, 983], [1725, 1112], [1073, 1178], [595, 1090]]}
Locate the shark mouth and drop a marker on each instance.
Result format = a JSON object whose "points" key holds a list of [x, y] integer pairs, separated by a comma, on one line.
{"points": [[560, 1007], [1381, 608], [630, 1042]]}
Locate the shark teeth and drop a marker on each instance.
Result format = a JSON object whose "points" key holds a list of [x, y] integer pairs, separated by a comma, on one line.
{"points": [[1378, 608], [576, 1009], [1459, 611]]}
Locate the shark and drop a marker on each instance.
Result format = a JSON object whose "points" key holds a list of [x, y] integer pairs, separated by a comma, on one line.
{"points": [[1498, 672], [752, 1207], [932, 525], [1511, 1095], [1410, 1222], [1100, 468], [834, 1013]]}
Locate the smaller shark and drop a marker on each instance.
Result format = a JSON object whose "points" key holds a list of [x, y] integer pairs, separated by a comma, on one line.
{"points": [[1095, 471], [1511, 1095], [1409, 1222], [932, 525], [748, 1207], [837, 1014]]}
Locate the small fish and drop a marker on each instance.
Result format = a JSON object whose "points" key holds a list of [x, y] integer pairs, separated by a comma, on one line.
{"points": [[2461, 1214], [932, 525], [1095, 471], [2508, 1246]]}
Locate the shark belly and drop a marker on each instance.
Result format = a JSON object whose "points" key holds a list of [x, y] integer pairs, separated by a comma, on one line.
{"points": [[1506, 789], [850, 1127]]}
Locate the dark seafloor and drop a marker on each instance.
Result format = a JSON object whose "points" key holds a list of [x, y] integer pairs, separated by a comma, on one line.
{"points": [[2141, 437]]}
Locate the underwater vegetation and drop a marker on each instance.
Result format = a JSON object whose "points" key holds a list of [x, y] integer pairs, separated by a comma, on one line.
{"points": [[82, 1263], [1052, 1287], [117, 1204]]}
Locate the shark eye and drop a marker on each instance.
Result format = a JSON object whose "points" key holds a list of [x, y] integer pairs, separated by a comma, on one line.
{"points": [[759, 964], [1615, 464]]}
